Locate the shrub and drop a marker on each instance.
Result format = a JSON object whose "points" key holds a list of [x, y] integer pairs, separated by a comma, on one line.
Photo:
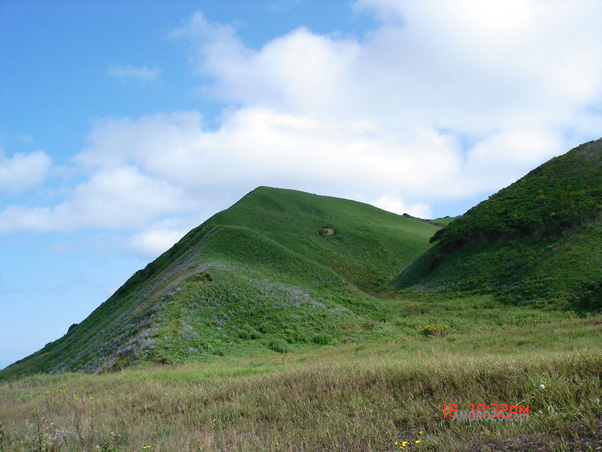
{"points": [[247, 332], [435, 329], [278, 345], [322, 339], [369, 325]]}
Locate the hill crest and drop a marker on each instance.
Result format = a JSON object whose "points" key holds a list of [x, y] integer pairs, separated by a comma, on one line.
{"points": [[536, 241], [278, 270]]}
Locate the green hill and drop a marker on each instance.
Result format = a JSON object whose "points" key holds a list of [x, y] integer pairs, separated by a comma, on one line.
{"points": [[537, 241], [280, 269]]}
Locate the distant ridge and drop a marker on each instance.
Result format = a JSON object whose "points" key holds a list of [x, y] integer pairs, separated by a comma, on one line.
{"points": [[538, 241], [279, 269]]}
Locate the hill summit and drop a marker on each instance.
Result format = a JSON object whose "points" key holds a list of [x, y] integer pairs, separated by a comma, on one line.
{"points": [[277, 270], [538, 241]]}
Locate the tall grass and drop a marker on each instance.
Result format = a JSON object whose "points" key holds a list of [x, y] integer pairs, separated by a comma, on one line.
{"points": [[354, 397]]}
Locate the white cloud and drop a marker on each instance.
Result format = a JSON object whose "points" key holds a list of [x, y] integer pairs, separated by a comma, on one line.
{"points": [[419, 210], [159, 237], [142, 73], [258, 146], [441, 68], [23, 171], [516, 80], [298, 72], [119, 198], [26, 139], [442, 101]]}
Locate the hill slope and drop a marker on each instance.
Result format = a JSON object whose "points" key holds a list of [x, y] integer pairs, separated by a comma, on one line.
{"points": [[537, 241], [278, 269]]}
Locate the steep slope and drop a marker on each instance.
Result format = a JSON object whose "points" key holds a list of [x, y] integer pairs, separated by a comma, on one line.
{"points": [[277, 270], [537, 241]]}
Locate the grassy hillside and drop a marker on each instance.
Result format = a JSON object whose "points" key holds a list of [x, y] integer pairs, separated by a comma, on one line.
{"points": [[279, 270], [261, 331], [358, 396], [536, 241], [362, 243]]}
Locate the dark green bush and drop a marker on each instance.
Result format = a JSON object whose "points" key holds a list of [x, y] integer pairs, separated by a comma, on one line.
{"points": [[322, 339], [247, 332], [278, 345]]}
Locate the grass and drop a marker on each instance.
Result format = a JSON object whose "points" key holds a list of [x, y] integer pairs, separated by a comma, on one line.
{"points": [[534, 242], [346, 397], [363, 395], [271, 327], [277, 271], [361, 243]]}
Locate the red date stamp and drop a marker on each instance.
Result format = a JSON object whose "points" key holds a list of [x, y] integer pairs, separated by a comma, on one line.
{"points": [[486, 412]]}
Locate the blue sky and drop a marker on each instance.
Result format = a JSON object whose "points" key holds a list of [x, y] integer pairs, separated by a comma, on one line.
{"points": [[125, 124]]}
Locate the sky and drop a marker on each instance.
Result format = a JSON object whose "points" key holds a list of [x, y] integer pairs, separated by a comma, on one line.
{"points": [[124, 124]]}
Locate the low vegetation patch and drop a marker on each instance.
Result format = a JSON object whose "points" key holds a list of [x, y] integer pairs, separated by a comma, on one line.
{"points": [[351, 397], [435, 329]]}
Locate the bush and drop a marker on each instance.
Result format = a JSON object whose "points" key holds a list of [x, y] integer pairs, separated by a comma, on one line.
{"points": [[322, 339], [2, 435], [369, 325], [278, 345], [247, 332], [435, 329]]}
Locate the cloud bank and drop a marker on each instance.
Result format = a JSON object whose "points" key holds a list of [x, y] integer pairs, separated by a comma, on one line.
{"points": [[442, 101], [22, 171]]}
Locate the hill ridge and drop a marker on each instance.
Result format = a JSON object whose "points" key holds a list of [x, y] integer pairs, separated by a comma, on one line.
{"points": [[542, 228], [256, 277]]}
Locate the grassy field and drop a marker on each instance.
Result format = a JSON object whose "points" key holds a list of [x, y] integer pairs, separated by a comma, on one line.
{"points": [[377, 393]]}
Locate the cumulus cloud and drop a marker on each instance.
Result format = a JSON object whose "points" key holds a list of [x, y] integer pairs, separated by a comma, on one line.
{"points": [[160, 236], [258, 146], [444, 66], [442, 101], [142, 73], [23, 171], [419, 210], [118, 198], [453, 99]]}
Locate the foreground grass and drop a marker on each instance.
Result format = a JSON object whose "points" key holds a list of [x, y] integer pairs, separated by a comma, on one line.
{"points": [[348, 397]]}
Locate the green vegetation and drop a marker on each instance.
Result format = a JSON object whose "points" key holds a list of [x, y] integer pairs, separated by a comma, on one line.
{"points": [[443, 221], [278, 271], [356, 396], [435, 329], [537, 241], [274, 326]]}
